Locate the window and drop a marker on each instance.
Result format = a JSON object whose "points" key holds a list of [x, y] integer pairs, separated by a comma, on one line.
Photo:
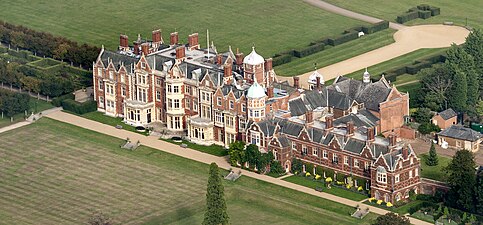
{"points": [[400, 164], [101, 85], [335, 158], [381, 176], [218, 117], [169, 103], [176, 104], [411, 161], [230, 121], [346, 160], [99, 72], [325, 155], [143, 65], [255, 138], [123, 91], [111, 75], [175, 89], [187, 103], [416, 172], [242, 124], [458, 144], [244, 108], [187, 90], [366, 166], [101, 102], [158, 81], [411, 174], [315, 151], [195, 105], [232, 104], [304, 149], [274, 152], [169, 88], [158, 95], [396, 178], [218, 101], [256, 113], [231, 138], [356, 163], [122, 78], [294, 146]]}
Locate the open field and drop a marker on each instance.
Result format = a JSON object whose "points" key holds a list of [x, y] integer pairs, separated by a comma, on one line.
{"points": [[336, 54], [455, 11], [36, 106], [56, 173], [434, 172], [272, 26]]}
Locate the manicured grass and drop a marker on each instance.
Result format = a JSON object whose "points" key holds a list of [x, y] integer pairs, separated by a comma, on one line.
{"points": [[397, 62], [434, 172], [212, 149], [35, 105], [45, 63], [455, 11], [336, 54], [109, 120], [311, 183], [429, 218], [271, 25], [56, 173]]}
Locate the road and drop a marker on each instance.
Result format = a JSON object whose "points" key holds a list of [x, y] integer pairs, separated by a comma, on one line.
{"points": [[222, 162]]}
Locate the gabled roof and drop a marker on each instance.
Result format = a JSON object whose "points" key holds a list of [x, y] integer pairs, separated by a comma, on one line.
{"points": [[354, 146], [297, 107], [460, 132], [447, 114], [117, 59]]}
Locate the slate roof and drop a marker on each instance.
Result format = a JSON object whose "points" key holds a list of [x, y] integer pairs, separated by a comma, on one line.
{"points": [[159, 61], [117, 59], [284, 141], [297, 107], [355, 146], [447, 114], [460, 132]]}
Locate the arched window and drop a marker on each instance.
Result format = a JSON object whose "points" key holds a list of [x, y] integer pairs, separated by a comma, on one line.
{"points": [[386, 198], [377, 195], [398, 196]]}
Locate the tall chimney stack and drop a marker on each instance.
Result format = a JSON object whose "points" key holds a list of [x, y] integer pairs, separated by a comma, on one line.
{"points": [[309, 117], [180, 52], [329, 122], [145, 48], [227, 70], [173, 38], [370, 134], [405, 152], [392, 140], [268, 64], [270, 92], [123, 42], [193, 41], [136, 48], [350, 128], [219, 59], [157, 38], [317, 80], [239, 58], [296, 82]]}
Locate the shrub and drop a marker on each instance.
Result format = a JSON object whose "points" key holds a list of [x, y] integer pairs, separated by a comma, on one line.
{"points": [[307, 174], [319, 170], [340, 177], [424, 14], [281, 59], [415, 68], [309, 168], [276, 168], [343, 38], [379, 202], [426, 128], [407, 17], [58, 100], [79, 108], [360, 188], [376, 27], [329, 173], [296, 165], [389, 204], [309, 50]]}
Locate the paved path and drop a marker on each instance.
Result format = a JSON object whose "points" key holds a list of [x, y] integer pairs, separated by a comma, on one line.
{"points": [[408, 39], [29, 120], [222, 162], [344, 12]]}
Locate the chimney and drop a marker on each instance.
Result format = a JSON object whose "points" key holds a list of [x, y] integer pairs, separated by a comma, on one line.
{"points": [[350, 128], [268, 64], [370, 134], [329, 122], [405, 152], [309, 117], [173, 39], [296, 82], [193, 41], [123, 41], [239, 58], [145, 48], [392, 140], [227, 70], [136, 48], [317, 80], [219, 59], [180, 52], [157, 36], [270, 92]]}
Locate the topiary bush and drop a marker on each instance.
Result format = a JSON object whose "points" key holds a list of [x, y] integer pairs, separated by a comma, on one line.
{"points": [[343, 38]]}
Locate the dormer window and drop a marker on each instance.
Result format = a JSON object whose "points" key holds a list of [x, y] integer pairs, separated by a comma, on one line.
{"points": [[143, 65], [111, 75], [232, 104], [381, 175], [99, 72]]}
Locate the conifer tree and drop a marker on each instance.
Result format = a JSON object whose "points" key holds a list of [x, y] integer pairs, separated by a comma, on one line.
{"points": [[462, 181], [215, 199], [458, 93], [432, 159], [465, 62]]}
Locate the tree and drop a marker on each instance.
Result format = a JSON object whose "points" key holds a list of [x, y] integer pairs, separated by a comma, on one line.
{"points": [[296, 165], [215, 200], [276, 168], [236, 152], [474, 46], [391, 219], [458, 93], [422, 115], [462, 61], [479, 193], [31, 84], [432, 159], [426, 128], [437, 82], [100, 219], [461, 180], [264, 161], [252, 155]]}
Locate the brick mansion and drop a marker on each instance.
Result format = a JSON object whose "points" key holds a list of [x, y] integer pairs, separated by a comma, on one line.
{"points": [[352, 127]]}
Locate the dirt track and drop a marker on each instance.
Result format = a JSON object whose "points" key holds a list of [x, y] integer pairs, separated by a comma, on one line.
{"points": [[408, 39]]}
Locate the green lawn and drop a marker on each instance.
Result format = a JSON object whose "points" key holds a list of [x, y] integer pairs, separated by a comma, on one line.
{"points": [[212, 149], [271, 25], [311, 183], [400, 61], [455, 11], [434, 172], [109, 120], [35, 107], [336, 54], [66, 173]]}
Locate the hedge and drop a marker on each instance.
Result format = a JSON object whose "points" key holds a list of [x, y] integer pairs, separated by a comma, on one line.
{"points": [[340, 177], [421, 11], [309, 50], [281, 59], [58, 100], [319, 170], [435, 11], [407, 17], [376, 27], [343, 38], [391, 75], [424, 14], [79, 108], [415, 68]]}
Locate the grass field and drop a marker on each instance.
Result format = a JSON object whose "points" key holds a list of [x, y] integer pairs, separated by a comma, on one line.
{"points": [[455, 11], [35, 107], [336, 54], [56, 173], [271, 25], [434, 172], [212, 149], [334, 190]]}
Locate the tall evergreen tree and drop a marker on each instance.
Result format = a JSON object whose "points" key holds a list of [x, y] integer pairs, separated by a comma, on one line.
{"points": [[458, 93], [460, 59], [432, 159], [479, 193], [461, 180], [474, 47], [215, 199]]}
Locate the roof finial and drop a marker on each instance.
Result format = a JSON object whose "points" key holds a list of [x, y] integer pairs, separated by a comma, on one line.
{"points": [[315, 66]]}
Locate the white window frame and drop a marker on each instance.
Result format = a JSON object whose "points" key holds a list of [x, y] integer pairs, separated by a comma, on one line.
{"points": [[381, 177], [356, 163], [396, 178], [346, 160], [305, 150], [325, 154], [315, 151]]}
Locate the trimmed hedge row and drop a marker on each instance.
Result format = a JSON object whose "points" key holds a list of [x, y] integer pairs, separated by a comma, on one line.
{"points": [[414, 68], [421, 11], [324, 43], [79, 108]]}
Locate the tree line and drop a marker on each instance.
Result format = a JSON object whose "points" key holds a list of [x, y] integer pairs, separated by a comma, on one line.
{"points": [[457, 83], [48, 45], [12, 103]]}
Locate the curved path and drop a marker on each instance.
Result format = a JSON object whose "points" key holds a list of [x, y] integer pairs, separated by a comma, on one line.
{"points": [[222, 162], [347, 13], [408, 39]]}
